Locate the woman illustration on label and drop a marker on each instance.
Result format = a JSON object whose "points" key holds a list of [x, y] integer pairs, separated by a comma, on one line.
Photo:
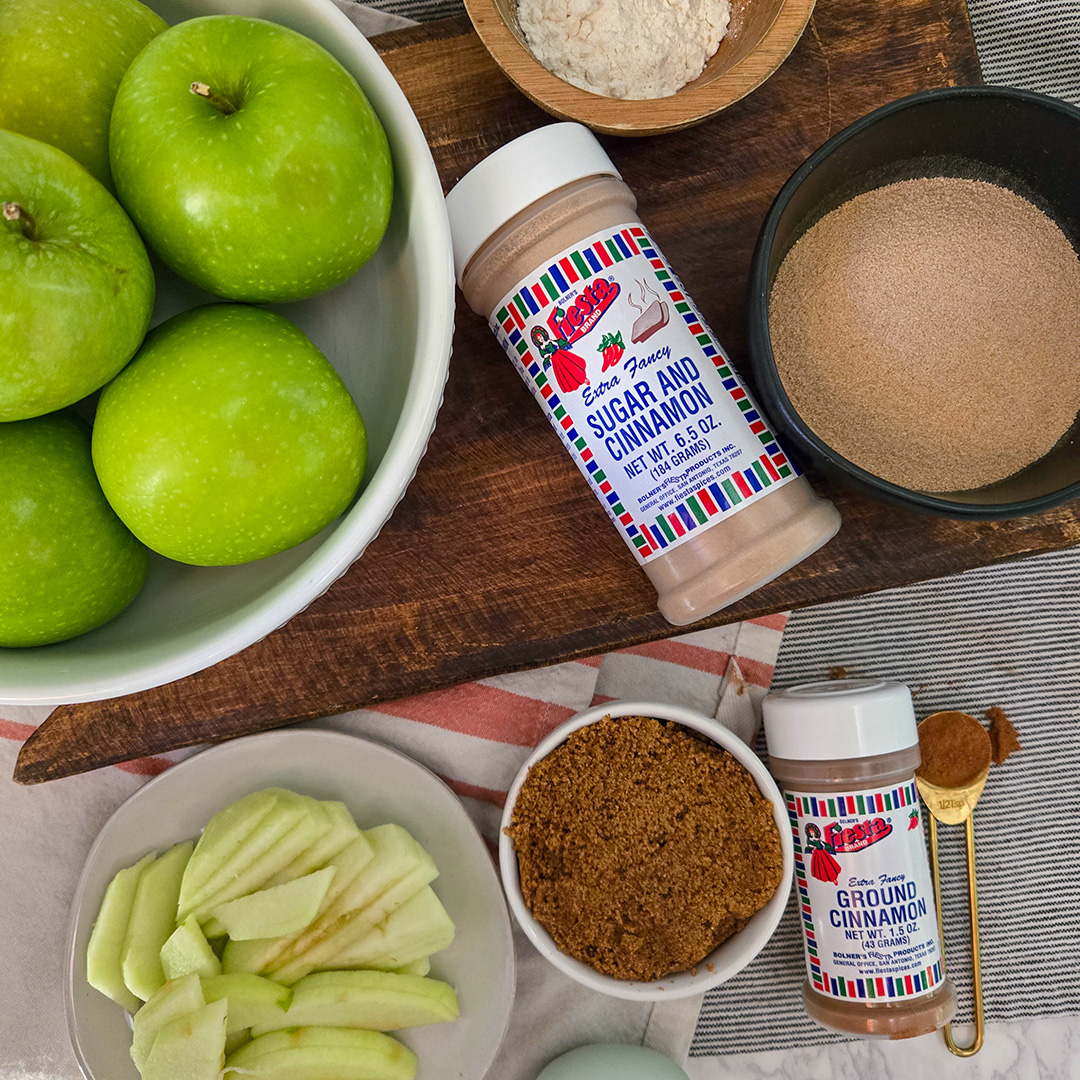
{"points": [[822, 864], [569, 368]]}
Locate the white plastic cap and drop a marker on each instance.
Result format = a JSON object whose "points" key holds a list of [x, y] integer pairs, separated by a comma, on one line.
{"points": [[839, 718], [514, 177]]}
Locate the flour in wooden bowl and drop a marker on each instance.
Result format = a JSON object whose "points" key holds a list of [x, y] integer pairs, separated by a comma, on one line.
{"points": [[633, 49]]}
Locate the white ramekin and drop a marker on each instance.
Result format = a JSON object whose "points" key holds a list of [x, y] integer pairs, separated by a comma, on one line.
{"points": [[731, 956]]}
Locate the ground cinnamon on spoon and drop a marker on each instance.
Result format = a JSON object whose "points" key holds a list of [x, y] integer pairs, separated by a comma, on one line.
{"points": [[955, 748]]}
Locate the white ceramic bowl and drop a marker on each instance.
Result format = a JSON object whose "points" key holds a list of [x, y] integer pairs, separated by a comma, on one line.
{"points": [[732, 955], [387, 331], [378, 785]]}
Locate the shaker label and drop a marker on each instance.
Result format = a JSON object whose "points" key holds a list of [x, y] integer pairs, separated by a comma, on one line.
{"points": [[865, 898], [639, 391]]}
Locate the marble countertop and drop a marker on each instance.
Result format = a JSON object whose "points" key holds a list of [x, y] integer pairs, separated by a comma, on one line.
{"points": [[1040, 1049]]}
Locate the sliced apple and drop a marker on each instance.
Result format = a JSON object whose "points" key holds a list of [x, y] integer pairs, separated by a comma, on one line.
{"points": [[274, 912], [260, 860], [223, 837], [306, 834], [398, 870], [191, 1047], [343, 830], [397, 857], [375, 1000], [252, 1000], [153, 919], [356, 924], [237, 1039], [419, 967], [418, 928], [187, 951], [256, 956], [233, 858], [176, 998], [103, 970], [320, 1053], [246, 957]]}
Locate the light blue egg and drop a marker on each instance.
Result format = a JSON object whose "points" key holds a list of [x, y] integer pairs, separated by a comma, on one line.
{"points": [[607, 1061]]}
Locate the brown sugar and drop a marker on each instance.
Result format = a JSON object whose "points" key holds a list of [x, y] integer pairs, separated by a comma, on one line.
{"points": [[1003, 737], [641, 847], [955, 748], [929, 332]]}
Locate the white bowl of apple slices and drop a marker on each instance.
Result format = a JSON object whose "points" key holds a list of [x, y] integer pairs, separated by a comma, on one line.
{"points": [[387, 331], [301, 905]]}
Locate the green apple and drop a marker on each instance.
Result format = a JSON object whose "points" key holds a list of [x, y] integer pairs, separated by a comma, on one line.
{"points": [[77, 285], [250, 159], [228, 438], [60, 64], [67, 564]]}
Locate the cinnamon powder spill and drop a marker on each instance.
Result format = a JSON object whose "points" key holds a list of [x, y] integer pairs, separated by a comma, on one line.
{"points": [[641, 847], [955, 748], [929, 331], [1003, 737]]}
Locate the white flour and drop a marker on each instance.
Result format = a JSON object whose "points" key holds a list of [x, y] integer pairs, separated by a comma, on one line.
{"points": [[625, 48]]}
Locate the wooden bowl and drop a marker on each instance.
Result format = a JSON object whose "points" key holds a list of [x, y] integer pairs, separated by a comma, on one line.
{"points": [[761, 35]]}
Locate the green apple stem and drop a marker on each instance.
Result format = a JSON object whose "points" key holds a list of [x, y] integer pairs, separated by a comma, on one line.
{"points": [[226, 108], [12, 211]]}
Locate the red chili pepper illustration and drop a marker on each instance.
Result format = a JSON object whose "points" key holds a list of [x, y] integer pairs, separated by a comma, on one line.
{"points": [[612, 349], [913, 821]]}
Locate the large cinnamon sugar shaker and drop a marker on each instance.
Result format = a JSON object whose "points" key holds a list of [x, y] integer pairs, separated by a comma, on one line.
{"points": [[844, 753], [549, 248]]}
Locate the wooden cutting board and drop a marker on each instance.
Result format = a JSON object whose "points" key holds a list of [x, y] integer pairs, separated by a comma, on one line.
{"points": [[499, 558]]}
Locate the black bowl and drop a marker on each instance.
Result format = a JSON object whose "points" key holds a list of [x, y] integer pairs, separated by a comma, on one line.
{"points": [[1024, 141]]}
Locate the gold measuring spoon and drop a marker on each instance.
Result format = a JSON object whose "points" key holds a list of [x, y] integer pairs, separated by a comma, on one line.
{"points": [[956, 754]]}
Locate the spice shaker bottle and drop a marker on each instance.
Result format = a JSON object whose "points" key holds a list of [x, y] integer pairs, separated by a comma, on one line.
{"points": [[548, 247], [844, 752]]}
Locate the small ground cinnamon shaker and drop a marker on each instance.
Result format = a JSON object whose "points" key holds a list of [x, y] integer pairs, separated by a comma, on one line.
{"points": [[845, 753], [549, 248]]}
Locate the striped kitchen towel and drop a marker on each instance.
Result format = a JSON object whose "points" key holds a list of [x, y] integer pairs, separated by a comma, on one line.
{"points": [[476, 736], [1003, 635]]}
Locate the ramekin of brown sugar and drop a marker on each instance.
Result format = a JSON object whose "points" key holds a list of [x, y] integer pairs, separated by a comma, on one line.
{"points": [[645, 851], [914, 304]]}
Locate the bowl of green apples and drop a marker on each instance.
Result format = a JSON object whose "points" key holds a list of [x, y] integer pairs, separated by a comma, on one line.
{"points": [[226, 328]]}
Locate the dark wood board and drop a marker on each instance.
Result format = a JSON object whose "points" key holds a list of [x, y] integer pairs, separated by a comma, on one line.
{"points": [[499, 558]]}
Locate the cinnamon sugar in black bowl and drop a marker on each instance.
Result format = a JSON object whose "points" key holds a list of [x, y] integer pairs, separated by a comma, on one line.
{"points": [[645, 851], [1025, 142]]}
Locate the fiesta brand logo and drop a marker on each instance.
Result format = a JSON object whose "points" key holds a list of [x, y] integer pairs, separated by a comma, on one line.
{"points": [[856, 837], [579, 317]]}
